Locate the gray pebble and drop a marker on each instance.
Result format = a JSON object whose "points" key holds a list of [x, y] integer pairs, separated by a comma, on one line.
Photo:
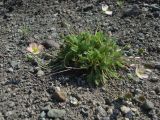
{"points": [[10, 70], [154, 78], [11, 104], [147, 105], [15, 64], [73, 101], [157, 65], [1, 65], [51, 44], [40, 73], [101, 111], [137, 91], [56, 113], [132, 11], [125, 109], [8, 113], [1, 3], [43, 114], [46, 108], [157, 89], [85, 111]]}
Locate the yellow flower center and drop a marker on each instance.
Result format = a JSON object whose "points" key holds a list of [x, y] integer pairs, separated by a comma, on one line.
{"points": [[35, 49]]}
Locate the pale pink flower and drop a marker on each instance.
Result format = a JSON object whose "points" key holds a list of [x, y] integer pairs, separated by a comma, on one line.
{"points": [[35, 48]]}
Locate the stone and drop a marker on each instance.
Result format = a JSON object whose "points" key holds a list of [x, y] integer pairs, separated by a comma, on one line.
{"points": [[126, 118], [51, 44], [52, 29], [45, 99], [152, 92], [11, 104], [41, 118], [110, 110], [105, 118], [10, 70], [141, 36], [43, 114], [108, 101], [155, 7], [152, 113], [135, 111], [1, 116], [101, 111], [15, 64], [148, 105], [125, 109], [85, 111], [56, 113], [156, 14], [46, 108], [8, 113], [157, 65], [88, 7], [59, 95], [129, 115], [157, 89], [154, 78], [73, 101], [137, 91], [1, 65], [132, 11], [1, 3], [77, 96], [116, 112], [31, 69], [40, 73]]}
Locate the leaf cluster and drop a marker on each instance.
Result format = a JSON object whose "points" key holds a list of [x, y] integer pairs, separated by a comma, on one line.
{"points": [[97, 53]]}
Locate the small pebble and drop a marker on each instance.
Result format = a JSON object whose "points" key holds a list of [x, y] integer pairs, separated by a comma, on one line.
{"points": [[85, 111], [125, 109], [51, 44], [101, 111], [154, 78], [43, 114], [157, 89], [73, 101], [40, 73], [56, 113], [148, 105], [59, 95], [10, 70]]}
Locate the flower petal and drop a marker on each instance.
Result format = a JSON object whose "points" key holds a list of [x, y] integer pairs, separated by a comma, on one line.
{"points": [[29, 49], [40, 47], [141, 72], [104, 7], [108, 12], [33, 45]]}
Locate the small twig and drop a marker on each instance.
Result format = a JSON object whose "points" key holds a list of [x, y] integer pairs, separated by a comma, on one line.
{"points": [[61, 71]]}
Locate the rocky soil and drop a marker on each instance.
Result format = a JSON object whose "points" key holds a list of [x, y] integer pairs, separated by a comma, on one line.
{"points": [[29, 95]]}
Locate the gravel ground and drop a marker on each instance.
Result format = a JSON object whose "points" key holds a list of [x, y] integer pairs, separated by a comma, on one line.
{"points": [[26, 95]]}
